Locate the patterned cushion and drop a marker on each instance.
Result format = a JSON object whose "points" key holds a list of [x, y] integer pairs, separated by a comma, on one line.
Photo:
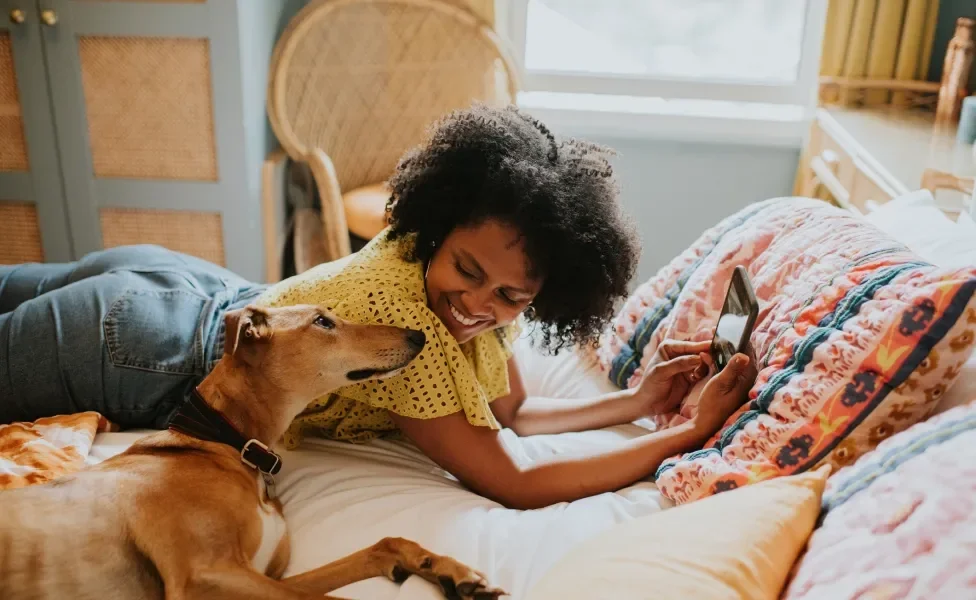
{"points": [[856, 339], [901, 523]]}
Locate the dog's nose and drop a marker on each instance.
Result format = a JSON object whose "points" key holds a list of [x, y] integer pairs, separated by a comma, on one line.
{"points": [[416, 339]]}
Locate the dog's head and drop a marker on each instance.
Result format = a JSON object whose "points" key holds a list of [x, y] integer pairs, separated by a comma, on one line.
{"points": [[303, 352]]}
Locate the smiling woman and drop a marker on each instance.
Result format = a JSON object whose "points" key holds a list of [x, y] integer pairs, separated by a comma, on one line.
{"points": [[507, 214], [495, 222], [474, 283]]}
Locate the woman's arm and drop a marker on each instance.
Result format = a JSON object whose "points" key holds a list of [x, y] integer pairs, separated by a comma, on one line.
{"points": [[670, 374], [537, 416], [478, 458]]}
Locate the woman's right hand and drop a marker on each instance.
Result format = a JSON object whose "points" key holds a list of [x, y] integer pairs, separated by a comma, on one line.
{"points": [[724, 394], [669, 376]]}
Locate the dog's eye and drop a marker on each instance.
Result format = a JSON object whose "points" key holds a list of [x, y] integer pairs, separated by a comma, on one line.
{"points": [[324, 322]]}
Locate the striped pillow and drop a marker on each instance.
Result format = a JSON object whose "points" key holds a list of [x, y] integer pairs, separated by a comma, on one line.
{"points": [[856, 339]]}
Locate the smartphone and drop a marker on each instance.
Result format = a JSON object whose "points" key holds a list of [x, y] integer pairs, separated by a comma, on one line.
{"points": [[737, 319]]}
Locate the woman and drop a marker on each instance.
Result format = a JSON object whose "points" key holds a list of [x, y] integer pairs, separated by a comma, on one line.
{"points": [[491, 219]]}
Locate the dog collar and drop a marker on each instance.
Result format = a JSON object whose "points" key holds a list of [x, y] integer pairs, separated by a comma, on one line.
{"points": [[198, 419]]}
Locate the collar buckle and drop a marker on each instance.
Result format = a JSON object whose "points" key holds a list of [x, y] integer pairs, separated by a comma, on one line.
{"points": [[262, 449]]}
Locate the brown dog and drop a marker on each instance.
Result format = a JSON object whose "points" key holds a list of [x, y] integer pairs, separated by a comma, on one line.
{"points": [[180, 517]]}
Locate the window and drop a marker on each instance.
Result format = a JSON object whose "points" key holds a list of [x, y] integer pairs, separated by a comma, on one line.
{"points": [[763, 51]]}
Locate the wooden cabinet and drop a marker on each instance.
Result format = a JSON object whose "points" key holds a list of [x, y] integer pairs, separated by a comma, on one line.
{"points": [[129, 121], [860, 159]]}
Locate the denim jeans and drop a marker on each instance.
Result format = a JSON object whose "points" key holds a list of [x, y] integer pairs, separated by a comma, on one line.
{"points": [[127, 332]]}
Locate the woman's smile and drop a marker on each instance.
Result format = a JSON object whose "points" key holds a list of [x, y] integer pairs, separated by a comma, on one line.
{"points": [[479, 279], [460, 316]]}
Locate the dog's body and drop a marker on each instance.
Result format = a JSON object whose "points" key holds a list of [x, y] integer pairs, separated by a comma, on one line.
{"points": [[179, 517]]}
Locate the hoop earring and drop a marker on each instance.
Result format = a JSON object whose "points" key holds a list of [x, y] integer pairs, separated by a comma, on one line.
{"points": [[433, 245]]}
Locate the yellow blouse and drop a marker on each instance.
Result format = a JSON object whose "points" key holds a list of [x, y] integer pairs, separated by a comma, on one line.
{"points": [[378, 286]]}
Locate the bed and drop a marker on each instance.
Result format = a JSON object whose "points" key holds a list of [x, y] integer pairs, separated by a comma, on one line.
{"points": [[340, 497]]}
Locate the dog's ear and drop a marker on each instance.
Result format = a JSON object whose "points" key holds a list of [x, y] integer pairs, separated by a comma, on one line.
{"points": [[248, 324]]}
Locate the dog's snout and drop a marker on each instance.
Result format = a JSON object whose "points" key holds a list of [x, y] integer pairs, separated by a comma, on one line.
{"points": [[416, 339]]}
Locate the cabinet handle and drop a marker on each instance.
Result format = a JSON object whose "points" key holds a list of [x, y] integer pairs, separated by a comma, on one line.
{"points": [[49, 17], [17, 16]]}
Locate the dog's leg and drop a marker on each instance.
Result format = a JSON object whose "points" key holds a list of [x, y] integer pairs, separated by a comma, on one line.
{"points": [[397, 559], [241, 583]]}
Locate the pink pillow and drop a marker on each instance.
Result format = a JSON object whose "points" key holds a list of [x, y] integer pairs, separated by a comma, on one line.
{"points": [[857, 339], [901, 523]]}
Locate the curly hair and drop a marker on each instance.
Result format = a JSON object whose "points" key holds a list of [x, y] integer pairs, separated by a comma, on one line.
{"points": [[560, 195]]}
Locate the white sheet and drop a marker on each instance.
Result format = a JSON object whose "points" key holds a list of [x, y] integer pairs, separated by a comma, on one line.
{"points": [[341, 497]]}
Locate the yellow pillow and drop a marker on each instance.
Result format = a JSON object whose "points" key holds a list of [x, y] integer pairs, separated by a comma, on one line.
{"points": [[737, 544]]}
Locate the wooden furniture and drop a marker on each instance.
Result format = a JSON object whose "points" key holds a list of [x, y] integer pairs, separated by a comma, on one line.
{"points": [[356, 83], [860, 158], [129, 122]]}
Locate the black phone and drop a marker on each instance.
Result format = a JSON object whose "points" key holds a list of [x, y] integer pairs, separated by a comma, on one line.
{"points": [[737, 319]]}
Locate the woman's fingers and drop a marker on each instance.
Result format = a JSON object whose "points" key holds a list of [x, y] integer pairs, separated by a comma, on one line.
{"points": [[675, 348], [677, 366], [703, 369]]}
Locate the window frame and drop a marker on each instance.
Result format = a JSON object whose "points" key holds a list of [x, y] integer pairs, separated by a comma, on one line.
{"points": [[511, 19]]}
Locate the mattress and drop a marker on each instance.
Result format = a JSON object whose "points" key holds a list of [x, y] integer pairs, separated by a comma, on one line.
{"points": [[339, 497]]}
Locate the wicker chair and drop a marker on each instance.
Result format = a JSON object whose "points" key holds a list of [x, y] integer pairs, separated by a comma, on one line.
{"points": [[356, 83]]}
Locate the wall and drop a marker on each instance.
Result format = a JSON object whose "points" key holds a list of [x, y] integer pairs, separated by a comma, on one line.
{"points": [[261, 24], [949, 12], [672, 190], [675, 190]]}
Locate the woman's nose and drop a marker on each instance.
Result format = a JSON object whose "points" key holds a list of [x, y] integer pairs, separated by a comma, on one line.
{"points": [[476, 305]]}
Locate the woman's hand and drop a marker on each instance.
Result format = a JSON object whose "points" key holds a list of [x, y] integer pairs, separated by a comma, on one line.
{"points": [[672, 372], [724, 394]]}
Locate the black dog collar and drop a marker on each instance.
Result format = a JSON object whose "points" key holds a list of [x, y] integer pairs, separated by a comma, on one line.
{"points": [[198, 419]]}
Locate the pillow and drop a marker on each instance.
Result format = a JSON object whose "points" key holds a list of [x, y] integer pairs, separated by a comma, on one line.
{"points": [[916, 221], [963, 391], [901, 522], [365, 209], [857, 339], [963, 249], [737, 545]]}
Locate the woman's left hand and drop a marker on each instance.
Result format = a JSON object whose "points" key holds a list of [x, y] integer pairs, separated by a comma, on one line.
{"points": [[675, 368]]}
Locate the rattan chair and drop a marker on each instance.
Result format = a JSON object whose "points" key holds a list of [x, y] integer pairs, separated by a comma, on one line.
{"points": [[356, 83]]}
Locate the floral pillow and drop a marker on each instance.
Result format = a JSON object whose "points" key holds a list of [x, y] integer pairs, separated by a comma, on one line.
{"points": [[901, 523], [857, 339]]}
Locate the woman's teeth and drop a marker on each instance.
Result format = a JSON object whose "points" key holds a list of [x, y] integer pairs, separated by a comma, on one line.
{"points": [[461, 318]]}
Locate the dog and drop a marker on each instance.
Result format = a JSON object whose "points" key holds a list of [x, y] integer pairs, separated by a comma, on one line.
{"points": [[190, 512]]}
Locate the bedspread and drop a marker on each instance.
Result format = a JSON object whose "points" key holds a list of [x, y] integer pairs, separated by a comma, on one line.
{"points": [[32, 453]]}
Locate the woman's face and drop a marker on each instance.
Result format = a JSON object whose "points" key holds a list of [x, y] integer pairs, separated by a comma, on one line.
{"points": [[479, 279]]}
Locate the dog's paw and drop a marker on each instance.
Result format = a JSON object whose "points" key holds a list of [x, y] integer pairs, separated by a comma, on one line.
{"points": [[457, 580], [460, 582]]}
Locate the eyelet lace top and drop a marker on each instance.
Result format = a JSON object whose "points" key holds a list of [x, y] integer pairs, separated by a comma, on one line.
{"points": [[379, 286]]}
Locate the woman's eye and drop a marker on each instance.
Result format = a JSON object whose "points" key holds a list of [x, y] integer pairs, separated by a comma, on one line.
{"points": [[508, 299], [464, 272], [324, 322]]}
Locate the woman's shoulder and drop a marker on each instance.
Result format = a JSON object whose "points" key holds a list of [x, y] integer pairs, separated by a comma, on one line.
{"points": [[378, 266]]}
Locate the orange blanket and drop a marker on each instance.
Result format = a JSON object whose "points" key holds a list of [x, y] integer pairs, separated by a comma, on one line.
{"points": [[32, 453]]}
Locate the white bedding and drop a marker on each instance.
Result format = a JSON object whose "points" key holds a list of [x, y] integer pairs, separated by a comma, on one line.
{"points": [[340, 497]]}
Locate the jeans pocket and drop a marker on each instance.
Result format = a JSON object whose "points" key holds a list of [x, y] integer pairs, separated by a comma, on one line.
{"points": [[156, 330]]}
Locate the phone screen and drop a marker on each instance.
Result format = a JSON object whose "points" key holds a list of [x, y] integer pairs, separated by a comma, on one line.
{"points": [[734, 324]]}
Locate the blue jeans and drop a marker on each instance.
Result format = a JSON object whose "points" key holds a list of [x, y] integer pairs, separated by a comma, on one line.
{"points": [[127, 332]]}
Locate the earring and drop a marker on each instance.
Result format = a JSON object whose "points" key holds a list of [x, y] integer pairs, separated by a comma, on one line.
{"points": [[430, 260]]}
